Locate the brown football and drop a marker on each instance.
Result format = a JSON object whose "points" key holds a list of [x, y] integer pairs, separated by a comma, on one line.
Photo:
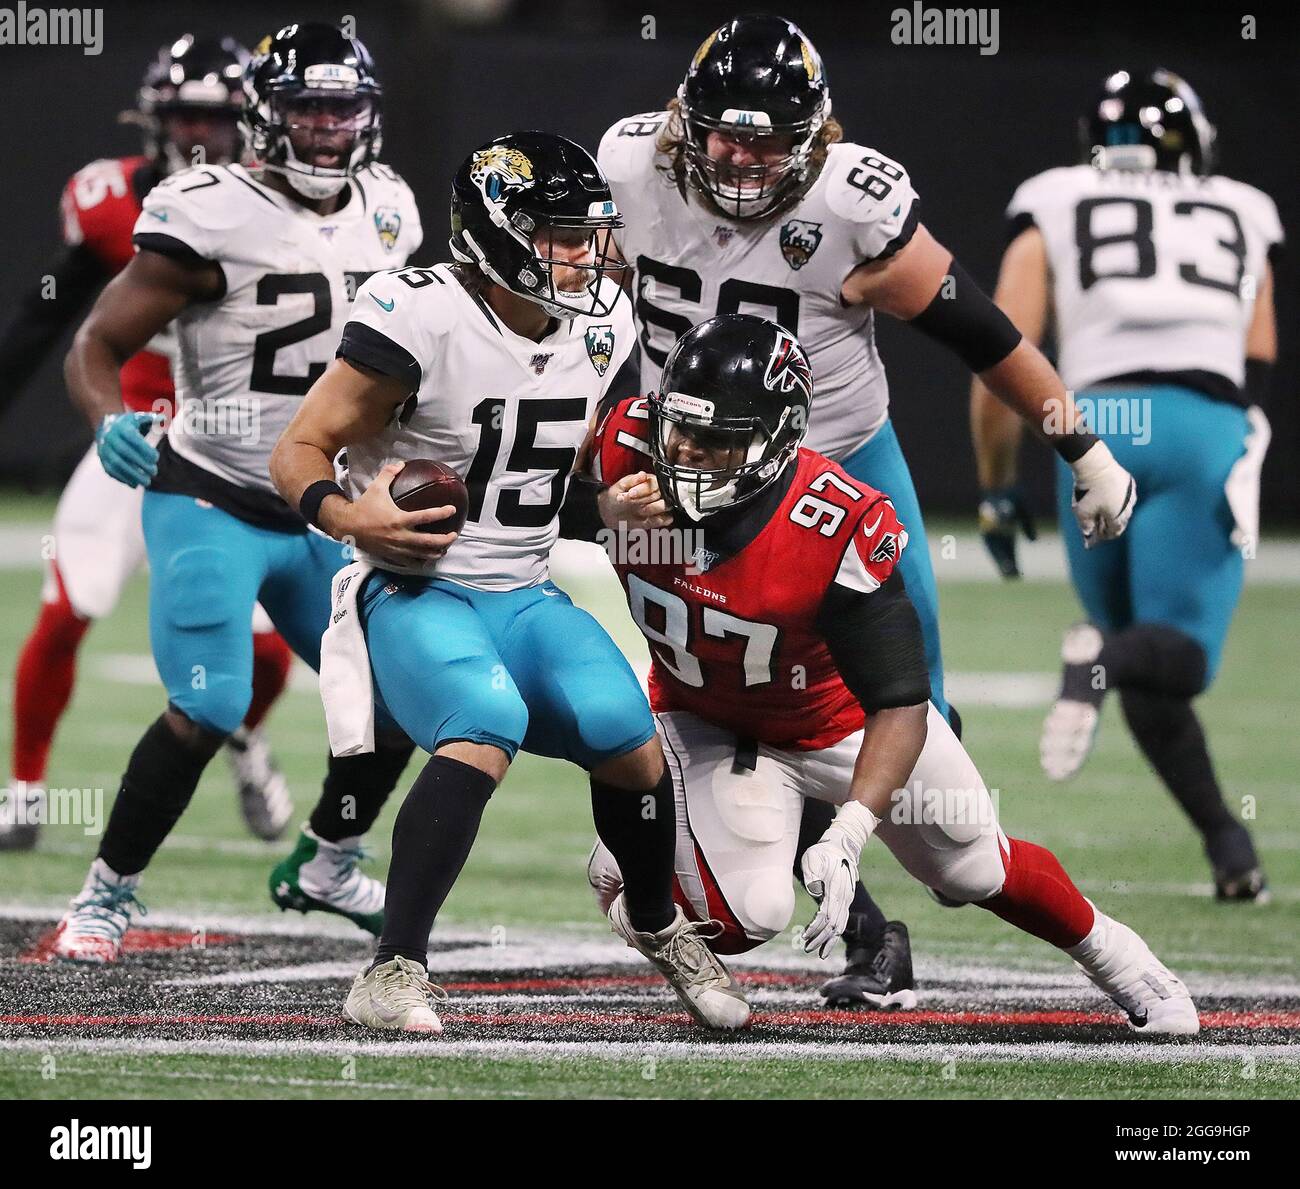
{"points": [[422, 483]]}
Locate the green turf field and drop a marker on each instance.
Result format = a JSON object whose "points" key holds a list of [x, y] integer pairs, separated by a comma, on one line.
{"points": [[1115, 830]]}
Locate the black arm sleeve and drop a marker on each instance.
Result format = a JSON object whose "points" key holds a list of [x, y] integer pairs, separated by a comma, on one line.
{"points": [[579, 514], [77, 275], [876, 643], [963, 318]]}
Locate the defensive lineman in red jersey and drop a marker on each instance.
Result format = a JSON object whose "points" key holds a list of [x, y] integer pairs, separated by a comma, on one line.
{"points": [[788, 662], [188, 105]]}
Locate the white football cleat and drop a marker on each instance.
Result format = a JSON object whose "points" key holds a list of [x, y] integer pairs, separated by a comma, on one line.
{"points": [[395, 996], [702, 982], [93, 928], [264, 798], [324, 877], [604, 876], [22, 812], [1120, 963], [1070, 728]]}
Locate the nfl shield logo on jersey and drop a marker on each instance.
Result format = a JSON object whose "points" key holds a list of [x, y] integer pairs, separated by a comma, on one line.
{"points": [[388, 222], [799, 240], [600, 347], [723, 235], [539, 361]]}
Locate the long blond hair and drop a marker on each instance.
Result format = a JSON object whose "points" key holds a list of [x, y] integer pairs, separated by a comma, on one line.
{"points": [[671, 145]]}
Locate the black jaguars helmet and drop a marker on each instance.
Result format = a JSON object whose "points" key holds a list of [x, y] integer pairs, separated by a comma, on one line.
{"points": [[313, 107], [759, 77], [529, 202], [1150, 121], [736, 383], [200, 80]]}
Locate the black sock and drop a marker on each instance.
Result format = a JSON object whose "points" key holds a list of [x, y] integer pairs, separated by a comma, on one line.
{"points": [[1171, 738], [160, 779], [866, 922], [432, 837], [355, 790], [1153, 657], [640, 829]]}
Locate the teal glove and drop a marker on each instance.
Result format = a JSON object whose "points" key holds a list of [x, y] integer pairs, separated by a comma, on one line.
{"points": [[123, 450]]}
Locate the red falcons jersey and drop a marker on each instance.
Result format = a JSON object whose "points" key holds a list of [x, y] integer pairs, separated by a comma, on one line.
{"points": [[738, 643], [100, 208]]}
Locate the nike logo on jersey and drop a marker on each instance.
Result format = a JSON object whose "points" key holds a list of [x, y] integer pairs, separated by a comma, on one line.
{"points": [[161, 216], [875, 524], [386, 306]]}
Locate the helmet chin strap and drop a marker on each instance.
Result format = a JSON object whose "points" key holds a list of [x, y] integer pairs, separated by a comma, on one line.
{"points": [[310, 185]]}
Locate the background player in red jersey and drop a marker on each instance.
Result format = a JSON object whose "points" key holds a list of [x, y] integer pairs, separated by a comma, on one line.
{"points": [[788, 662], [188, 108]]}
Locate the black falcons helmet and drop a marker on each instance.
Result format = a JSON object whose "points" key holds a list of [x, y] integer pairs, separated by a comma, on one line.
{"points": [[736, 382], [304, 66], [757, 76], [518, 198], [191, 74], [1151, 121]]}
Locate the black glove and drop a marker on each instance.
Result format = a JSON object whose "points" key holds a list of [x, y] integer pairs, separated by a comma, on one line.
{"points": [[1001, 511]]}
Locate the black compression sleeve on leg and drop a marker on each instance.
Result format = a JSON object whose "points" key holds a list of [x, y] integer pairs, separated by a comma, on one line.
{"points": [[355, 790], [1156, 658], [432, 838], [1171, 738], [640, 829], [160, 779]]}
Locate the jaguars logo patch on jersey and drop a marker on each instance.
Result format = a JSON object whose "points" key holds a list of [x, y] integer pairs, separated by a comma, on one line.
{"points": [[388, 223], [799, 240], [500, 168], [600, 347]]}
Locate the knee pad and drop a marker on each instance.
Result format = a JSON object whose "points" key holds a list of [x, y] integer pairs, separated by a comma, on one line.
{"points": [[766, 905], [975, 875], [218, 705], [485, 713], [613, 720]]}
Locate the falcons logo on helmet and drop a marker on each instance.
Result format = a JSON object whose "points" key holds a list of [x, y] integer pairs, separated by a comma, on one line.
{"points": [[788, 367]]}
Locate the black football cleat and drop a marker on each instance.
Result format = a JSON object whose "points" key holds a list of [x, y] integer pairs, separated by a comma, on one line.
{"points": [[1248, 886], [1237, 873], [878, 974]]}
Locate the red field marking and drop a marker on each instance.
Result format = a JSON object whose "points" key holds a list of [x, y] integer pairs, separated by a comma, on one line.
{"points": [[1013, 1019], [137, 941], [608, 981]]}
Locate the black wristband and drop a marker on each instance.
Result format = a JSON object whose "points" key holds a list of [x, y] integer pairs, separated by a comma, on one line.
{"points": [[314, 496], [1072, 447]]}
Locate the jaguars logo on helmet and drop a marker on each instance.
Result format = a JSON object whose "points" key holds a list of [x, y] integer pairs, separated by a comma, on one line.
{"points": [[500, 168]]}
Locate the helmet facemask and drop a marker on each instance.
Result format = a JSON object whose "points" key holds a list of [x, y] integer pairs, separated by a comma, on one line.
{"points": [[751, 458], [317, 138], [748, 191]]}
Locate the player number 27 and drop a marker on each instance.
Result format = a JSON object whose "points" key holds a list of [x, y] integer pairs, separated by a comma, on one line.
{"points": [[673, 638]]}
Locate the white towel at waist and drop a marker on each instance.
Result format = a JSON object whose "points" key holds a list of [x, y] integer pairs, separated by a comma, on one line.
{"points": [[346, 685]]}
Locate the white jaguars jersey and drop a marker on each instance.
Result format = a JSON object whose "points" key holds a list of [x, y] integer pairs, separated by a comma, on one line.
{"points": [[692, 264], [505, 412], [247, 359], [1150, 270]]}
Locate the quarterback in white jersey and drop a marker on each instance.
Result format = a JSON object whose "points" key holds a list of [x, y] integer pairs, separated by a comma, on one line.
{"points": [[254, 266], [493, 366], [1155, 274], [742, 197]]}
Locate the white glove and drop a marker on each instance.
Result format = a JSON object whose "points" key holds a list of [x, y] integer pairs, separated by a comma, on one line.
{"points": [[830, 873], [1104, 495]]}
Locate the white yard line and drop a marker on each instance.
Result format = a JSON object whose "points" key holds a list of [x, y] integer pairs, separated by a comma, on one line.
{"points": [[1134, 1052]]}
